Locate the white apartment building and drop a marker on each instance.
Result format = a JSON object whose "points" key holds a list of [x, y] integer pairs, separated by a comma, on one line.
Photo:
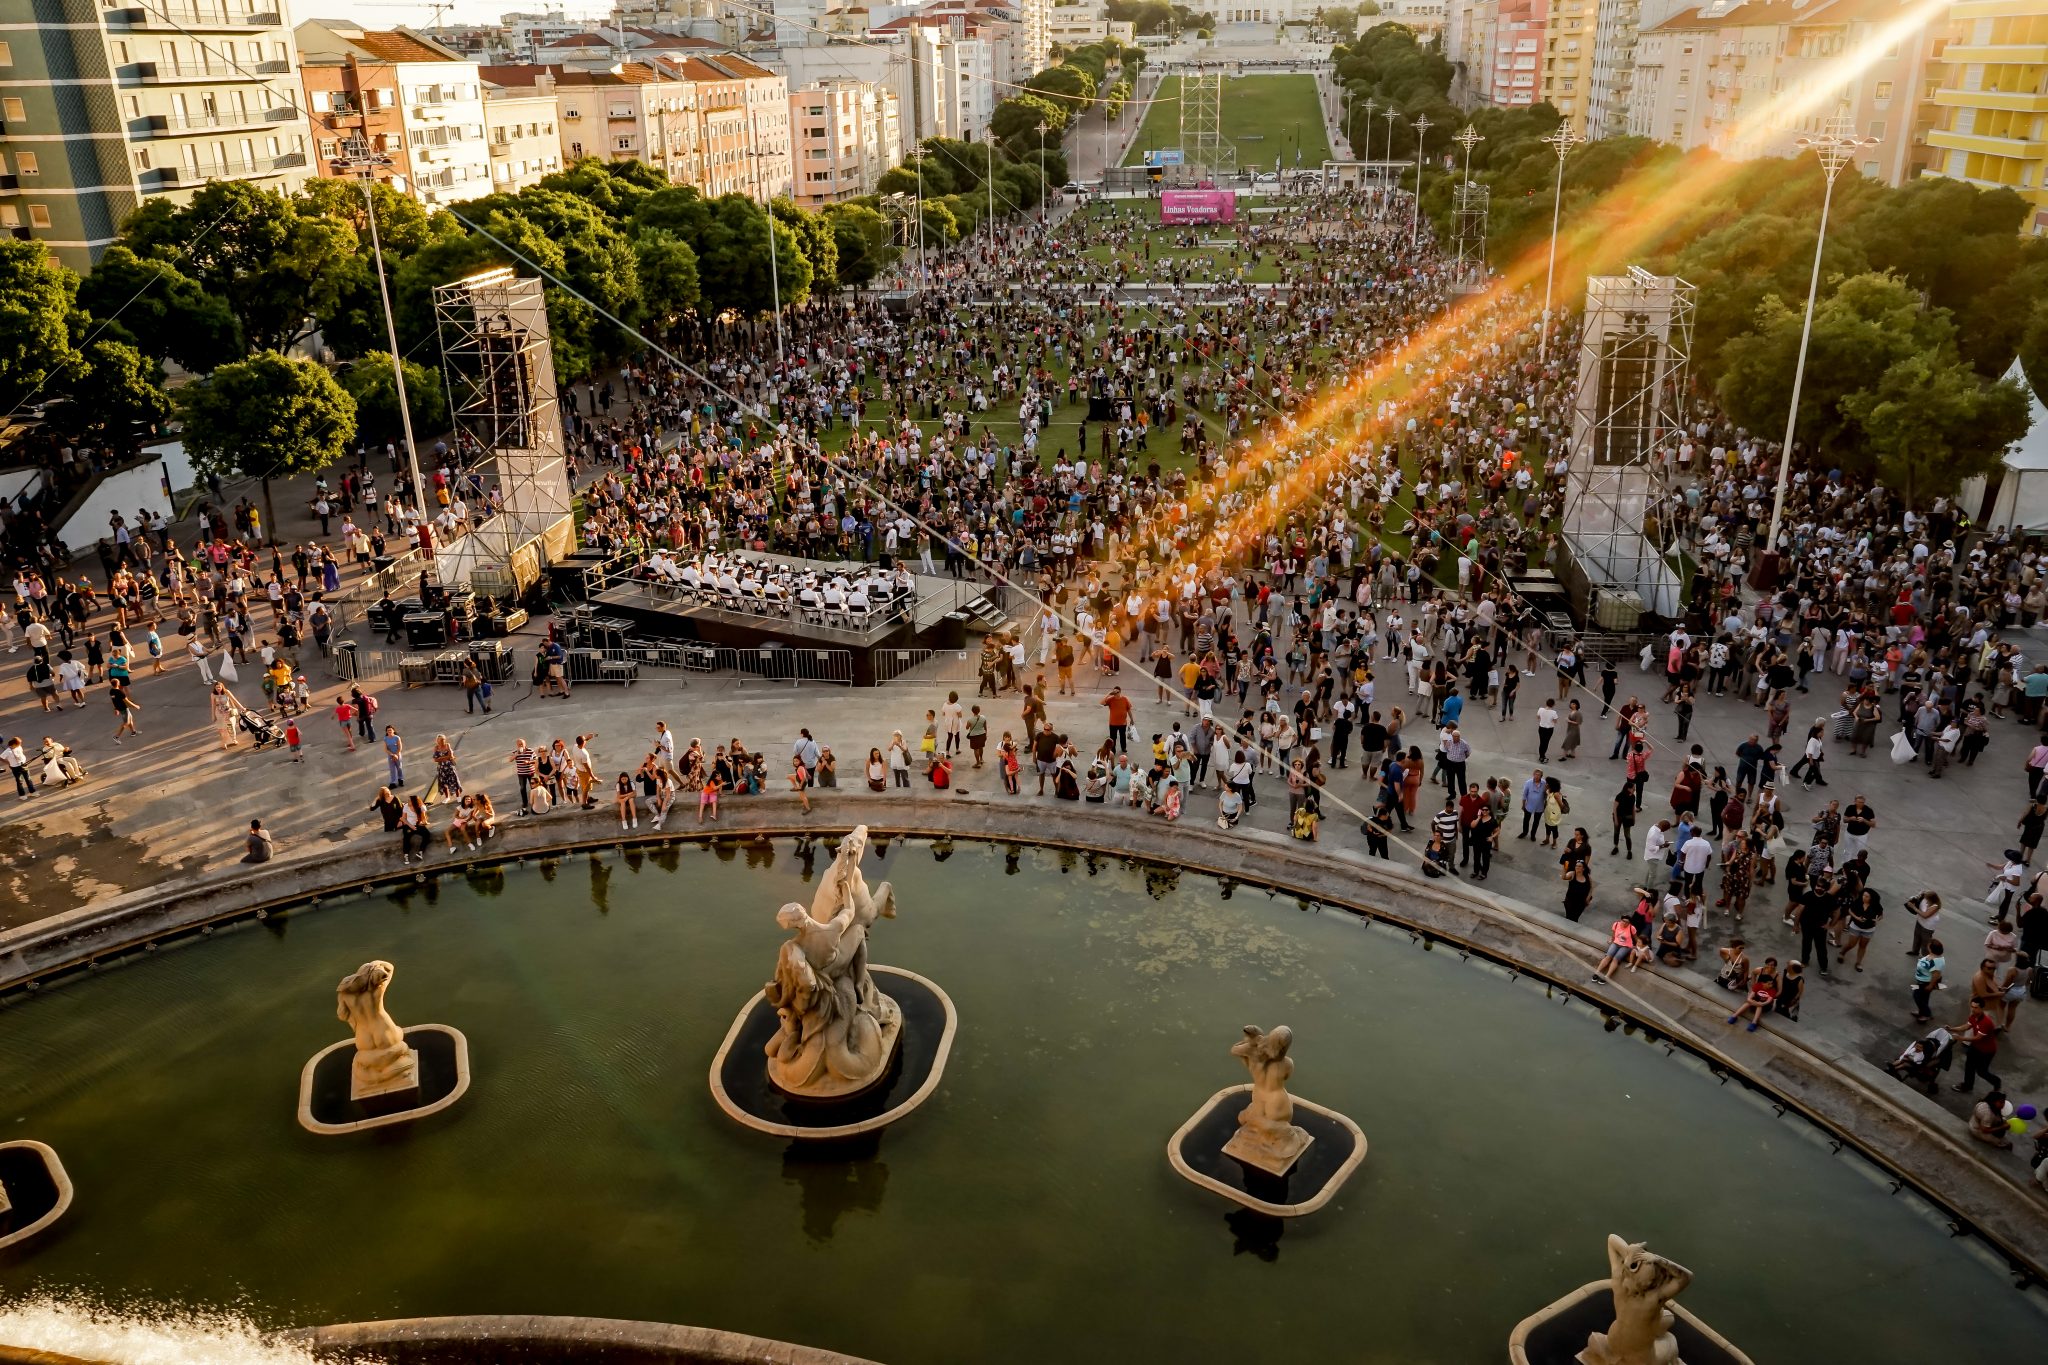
{"points": [[149, 100], [911, 62], [844, 135], [439, 106], [525, 141]]}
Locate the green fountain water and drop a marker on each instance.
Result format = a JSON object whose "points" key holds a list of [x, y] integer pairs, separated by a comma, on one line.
{"points": [[1026, 1213]]}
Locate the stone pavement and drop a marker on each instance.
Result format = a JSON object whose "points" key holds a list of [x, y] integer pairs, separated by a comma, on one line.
{"points": [[172, 806]]}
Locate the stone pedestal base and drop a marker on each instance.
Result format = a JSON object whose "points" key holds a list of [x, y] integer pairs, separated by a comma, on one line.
{"points": [[330, 1103], [1557, 1335], [832, 1088], [1274, 1158], [1332, 1149], [384, 1077], [34, 1190], [741, 1084]]}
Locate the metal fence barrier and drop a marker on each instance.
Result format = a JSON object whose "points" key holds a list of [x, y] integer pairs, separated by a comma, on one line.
{"points": [[781, 663]]}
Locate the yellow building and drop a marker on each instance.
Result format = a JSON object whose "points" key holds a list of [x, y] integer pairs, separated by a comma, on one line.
{"points": [[1993, 125], [1568, 59]]}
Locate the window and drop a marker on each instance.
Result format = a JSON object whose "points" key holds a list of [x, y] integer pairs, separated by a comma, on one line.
{"points": [[142, 158], [6, 54], [26, 163], [39, 215], [1870, 169], [12, 109], [120, 54], [134, 106], [1883, 91], [1877, 127]]}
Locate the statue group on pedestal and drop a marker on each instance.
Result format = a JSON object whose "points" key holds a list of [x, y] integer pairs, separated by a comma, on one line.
{"points": [[837, 1032]]}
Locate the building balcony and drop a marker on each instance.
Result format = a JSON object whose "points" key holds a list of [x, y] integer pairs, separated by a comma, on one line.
{"points": [[233, 168], [173, 73], [2018, 148], [2016, 101], [1997, 54], [173, 18], [187, 125]]}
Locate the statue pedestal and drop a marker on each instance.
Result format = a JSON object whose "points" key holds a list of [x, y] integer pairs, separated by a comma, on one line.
{"points": [[399, 1078], [34, 1190], [924, 1037], [1274, 1158], [1201, 1151], [331, 1104], [1556, 1335], [834, 1091]]}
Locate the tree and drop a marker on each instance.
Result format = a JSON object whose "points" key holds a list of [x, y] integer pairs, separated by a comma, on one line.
{"points": [[35, 302], [669, 284], [1068, 88], [819, 245], [614, 188], [116, 391], [168, 314], [1015, 121], [369, 382], [861, 235], [275, 261], [266, 416], [1931, 423], [401, 222], [731, 239]]}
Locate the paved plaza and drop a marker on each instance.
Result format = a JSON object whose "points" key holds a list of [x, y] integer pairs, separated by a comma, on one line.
{"points": [[172, 806]]}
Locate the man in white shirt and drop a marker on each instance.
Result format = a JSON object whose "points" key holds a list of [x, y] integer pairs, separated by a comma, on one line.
{"points": [[1694, 855]]}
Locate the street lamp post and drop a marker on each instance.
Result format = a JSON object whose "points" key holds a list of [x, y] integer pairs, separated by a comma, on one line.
{"points": [[357, 157], [1562, 141], [768, 206], [1390, 113], [1370, 106], [1469, 137], [1422, 125], [1042, 195], [1835, 148]]}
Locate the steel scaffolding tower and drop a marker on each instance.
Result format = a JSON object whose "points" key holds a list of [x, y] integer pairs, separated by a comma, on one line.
{"points": [[1203, 146], [1625, 423], [1469, 204], [500, 373]]}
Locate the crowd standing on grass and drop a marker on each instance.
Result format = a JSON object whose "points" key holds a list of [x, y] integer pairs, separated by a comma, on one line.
{"points": [[1168, 444]]}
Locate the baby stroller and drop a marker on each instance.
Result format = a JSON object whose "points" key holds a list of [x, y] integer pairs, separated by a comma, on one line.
{"points": [[1925, 1059], [261, 728]]}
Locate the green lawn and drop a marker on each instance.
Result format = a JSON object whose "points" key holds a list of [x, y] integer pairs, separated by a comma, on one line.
{"points": [[1263, 115]]}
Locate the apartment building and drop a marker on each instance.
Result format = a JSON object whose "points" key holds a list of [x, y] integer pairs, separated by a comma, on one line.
{"points": [[916, 63], [640, 112], [523, 135], [436, 93], [1516, 56], [114, 107], [742, 126], [1426, 17], [1991, 103], [845, 135], [1568, 59]]}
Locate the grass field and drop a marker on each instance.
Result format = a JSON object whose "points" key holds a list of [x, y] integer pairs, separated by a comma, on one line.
{"points": [[1263, 115]]}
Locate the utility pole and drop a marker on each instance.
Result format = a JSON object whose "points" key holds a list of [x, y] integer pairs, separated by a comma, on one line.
{"points": [[1422, 126]]}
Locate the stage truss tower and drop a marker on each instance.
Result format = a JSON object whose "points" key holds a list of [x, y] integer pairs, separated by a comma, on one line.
{"points": [[1203, 146], [1470, 203], [499, 368], [1626, 422]]}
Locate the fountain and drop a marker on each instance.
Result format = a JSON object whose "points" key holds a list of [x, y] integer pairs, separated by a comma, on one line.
{"points": [[1245, 1144], [1645, 1326], [843, 1058], [34, 1191], [394, 1075]]}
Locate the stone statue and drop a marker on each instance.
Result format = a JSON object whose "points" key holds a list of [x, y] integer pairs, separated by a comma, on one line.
{"points": [[383, 1062], [1266, 1134], [1641, 1333], [838, 1031]]}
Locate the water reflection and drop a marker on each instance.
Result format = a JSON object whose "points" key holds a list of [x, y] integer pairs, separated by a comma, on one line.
{"points": [[835, 1178]]}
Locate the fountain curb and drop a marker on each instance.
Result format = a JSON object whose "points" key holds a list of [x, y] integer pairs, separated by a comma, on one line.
{"points": [[516, 1337], [1916, 1142]]}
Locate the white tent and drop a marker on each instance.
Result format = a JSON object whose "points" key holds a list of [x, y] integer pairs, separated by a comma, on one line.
{"points": [[2016, 495]]}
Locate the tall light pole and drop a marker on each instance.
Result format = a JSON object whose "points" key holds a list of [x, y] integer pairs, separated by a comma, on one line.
{"points": [[1469, 137], [1371, 104], [1835, 148], [768, 206], [1421, 125], [1562, 141], [358, 157], [1042, 195], [1390, 113]]}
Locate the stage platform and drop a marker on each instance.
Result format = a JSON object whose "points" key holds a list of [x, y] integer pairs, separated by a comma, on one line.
{"points": [[937, 614]]}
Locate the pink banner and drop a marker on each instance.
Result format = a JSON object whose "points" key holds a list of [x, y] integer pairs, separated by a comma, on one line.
{"points": [[1198, 206]]}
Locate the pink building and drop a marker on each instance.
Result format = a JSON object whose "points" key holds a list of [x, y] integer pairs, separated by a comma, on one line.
{"points": [[1517, 76]]}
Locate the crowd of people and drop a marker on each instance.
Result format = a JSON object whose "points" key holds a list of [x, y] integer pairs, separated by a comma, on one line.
{"points": [[1286, 480]]}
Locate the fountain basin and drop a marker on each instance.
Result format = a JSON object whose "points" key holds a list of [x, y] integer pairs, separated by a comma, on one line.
{"points": [[37, 1191], [551, 1341], [1555, 1335], [1336, 1149], [739, 1073], [326, 1106]]}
